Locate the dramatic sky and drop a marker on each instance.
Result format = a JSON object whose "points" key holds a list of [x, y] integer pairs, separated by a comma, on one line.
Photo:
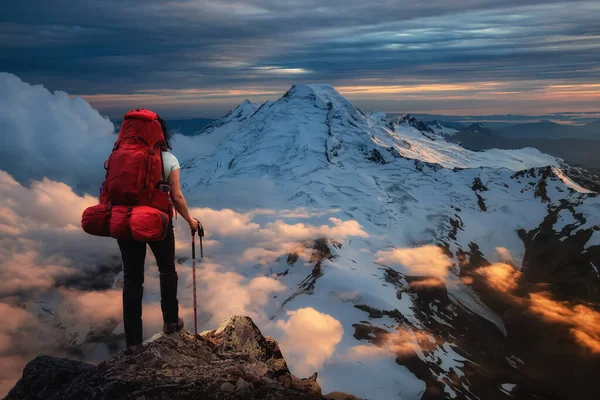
{"points": [[201, 58]]}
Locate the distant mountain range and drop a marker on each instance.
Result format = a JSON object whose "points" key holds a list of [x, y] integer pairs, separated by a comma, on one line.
{"points": [[551, 130], [576, 144], [498, 121], [187, 127]]}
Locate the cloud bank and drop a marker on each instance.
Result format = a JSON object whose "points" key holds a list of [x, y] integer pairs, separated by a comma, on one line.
{"points": [[63, 284], [204, 57], [50, 135]]}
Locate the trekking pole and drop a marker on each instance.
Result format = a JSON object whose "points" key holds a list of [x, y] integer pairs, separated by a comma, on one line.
{"points": [[200, 235]]}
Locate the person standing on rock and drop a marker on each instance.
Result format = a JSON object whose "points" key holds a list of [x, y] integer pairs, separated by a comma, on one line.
{"points": [[136, 207]]}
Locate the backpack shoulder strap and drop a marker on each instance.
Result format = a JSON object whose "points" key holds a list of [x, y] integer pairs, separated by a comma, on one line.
{"points": [[162, 165]]}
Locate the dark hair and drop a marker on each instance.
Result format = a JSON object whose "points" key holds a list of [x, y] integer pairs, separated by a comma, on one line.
{"points": [[165, 131]]}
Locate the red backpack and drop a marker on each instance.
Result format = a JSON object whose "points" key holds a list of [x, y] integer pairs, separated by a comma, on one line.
{"points": [[134, 199]]}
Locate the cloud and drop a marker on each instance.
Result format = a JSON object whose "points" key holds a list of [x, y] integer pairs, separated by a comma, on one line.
{"points": [[427, 283], [425, 260], [51, 135], [222, 293], [402, 341], [502, 277], [41, 241], [28, 330], [266, 256], [90, 308], [298, 232], [45, 203], [365, 351], [264, 243], [504, 256], [26, 270], [581, 321], [282, 71], [309, 339], [226, 222], [19, 320], [42, 248], [299, 212], [19, 331], [48, 263], [224, 46]]}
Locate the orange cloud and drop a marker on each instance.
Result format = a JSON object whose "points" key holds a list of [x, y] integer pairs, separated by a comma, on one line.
{"points": [[467, 280], [26, 270], [504, 255], [94, 307], [500, 276], [417, 89], [426, 283], [401, 342], [406, 341], [584, 322]]}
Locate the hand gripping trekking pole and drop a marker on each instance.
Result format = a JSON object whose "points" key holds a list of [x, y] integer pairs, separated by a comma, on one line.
{"points": [[200, 236]]}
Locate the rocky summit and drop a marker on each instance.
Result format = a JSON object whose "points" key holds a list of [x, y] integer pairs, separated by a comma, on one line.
{"points": [[234, 361]]}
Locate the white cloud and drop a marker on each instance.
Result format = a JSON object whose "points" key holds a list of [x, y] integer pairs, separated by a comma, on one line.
{"points": [[504, 255], [309, 339], [222, 293], [279, 229], [226, 222], [51, 135], [425, 260], [270, 69]]}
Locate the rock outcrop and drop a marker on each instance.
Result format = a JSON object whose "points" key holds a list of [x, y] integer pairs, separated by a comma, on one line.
{"points": [[234, 361]]}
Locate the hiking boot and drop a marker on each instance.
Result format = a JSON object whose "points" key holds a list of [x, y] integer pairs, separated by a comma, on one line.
{"points": [[172, 327], [130, 350]]}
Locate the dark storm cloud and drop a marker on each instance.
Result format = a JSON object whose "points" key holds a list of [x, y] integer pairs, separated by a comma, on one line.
{"points": [[117, 47]]}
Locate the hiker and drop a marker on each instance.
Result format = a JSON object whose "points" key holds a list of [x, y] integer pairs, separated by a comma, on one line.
{"points": [[139, 215]]}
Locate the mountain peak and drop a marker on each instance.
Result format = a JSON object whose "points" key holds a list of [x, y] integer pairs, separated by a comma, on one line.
{"points": [[311, 88], [416, 123], [324, 96], [245, 106]]}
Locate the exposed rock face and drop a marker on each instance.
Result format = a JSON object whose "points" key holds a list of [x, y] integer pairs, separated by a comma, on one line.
{"points": [[233, 361], [420, 125], [45, 375]]}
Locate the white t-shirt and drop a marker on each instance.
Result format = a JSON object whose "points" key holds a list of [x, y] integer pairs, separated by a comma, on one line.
{"points": [[170, 163]]}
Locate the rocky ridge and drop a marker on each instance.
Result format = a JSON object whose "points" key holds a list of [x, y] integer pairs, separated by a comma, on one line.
{"points": [[233, 361]]}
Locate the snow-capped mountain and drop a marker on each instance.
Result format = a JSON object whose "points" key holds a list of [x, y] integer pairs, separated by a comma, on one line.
{"points": [[454, 274], [439, 128]]}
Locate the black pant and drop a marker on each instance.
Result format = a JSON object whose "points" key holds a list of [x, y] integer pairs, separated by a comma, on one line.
{"points": [[134, 254]]}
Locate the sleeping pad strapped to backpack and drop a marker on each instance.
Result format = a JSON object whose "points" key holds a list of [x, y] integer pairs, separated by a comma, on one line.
{"points": [[131, 204]]}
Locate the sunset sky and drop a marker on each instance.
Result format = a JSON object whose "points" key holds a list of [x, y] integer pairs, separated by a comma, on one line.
{"points": [[201, 58]]}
